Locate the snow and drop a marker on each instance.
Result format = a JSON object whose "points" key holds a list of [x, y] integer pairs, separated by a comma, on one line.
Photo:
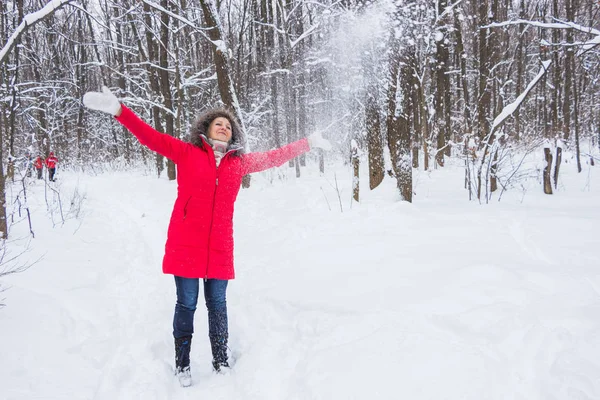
{"points": [[382, 299], [221, 47]]}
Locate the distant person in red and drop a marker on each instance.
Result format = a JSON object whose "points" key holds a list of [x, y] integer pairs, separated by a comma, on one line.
{"points": [[38, 164], [51, 165]]}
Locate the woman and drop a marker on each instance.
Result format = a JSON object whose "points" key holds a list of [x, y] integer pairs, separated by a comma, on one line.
{"points": [[210, 168]]}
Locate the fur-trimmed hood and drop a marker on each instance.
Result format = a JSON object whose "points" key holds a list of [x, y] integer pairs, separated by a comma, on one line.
{"points": [[199, 131]]}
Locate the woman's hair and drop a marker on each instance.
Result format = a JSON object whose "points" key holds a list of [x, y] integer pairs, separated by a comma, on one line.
{"points": [[200, 128]]}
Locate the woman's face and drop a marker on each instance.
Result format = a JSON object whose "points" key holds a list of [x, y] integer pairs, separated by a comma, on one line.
{"points": [[220, 129]]}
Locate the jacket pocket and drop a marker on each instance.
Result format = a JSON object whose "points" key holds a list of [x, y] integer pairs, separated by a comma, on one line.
{"points": [[186, 206]]}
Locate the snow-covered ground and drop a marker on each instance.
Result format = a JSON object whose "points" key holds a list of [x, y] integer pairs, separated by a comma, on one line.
{"points": [[439, 299]]}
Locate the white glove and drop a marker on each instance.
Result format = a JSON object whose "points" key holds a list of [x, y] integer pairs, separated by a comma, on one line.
{"points": [[317, 140], [106, 101]]}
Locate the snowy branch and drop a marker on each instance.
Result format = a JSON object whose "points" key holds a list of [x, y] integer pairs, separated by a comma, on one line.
{"points": [[449, 9], [590, 44], [180, 18], [556, 25], [512, 107], [547, 25], [308, 32], [282, 71], [28, 21], [275, 28]]}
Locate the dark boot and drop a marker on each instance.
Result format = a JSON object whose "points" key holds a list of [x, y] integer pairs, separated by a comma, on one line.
{"points": [[183, 346], [218, 345]]}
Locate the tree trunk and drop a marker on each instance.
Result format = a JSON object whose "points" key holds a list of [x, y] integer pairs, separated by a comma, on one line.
{"points": [[568, 80], [373, 129], [576, 99], [520, 68], [424, 113], [442, 89], [484, 104], [398, 117], [556, 78], [493, 171], [3, 76], [404, 161], [356, 171], [3, 220], [392, 119], [557, 165], [81, 75], [165, 84], [547, 168], [301, 100], [374, 145], [120, 58], [461, 54], [289, 98], [275, 108], [154, 84]]}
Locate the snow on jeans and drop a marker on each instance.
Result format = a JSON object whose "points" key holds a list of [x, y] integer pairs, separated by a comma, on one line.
{"points": [[187, 299]]}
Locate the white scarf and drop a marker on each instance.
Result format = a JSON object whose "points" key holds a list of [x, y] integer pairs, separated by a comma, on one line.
{"points": [[219, 148]]}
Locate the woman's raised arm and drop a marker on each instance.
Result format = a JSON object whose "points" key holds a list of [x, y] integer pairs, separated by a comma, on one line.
{"points": [[161, 143], [256, 162]]}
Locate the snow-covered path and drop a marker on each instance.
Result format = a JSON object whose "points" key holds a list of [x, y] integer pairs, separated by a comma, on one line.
{"points": [[441, 299]]}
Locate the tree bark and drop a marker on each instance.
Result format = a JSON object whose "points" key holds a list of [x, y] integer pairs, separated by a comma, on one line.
{"points": [[404, 162], [547, 168], [154, 83], [356, 172], [373, 128], [520, 68], [568, 79], [424, 113], [557, 125], [484, 103], [464, 83], [442, 84], [165, 84], [398, 122], [557, 165]]}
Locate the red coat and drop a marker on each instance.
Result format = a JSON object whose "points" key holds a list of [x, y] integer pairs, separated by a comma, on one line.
{"points": [[51, 161], [38, 163], [200, 235]]}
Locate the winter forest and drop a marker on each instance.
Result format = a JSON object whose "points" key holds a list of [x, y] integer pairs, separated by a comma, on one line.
{"points": [[452, 103], [421, 81]]}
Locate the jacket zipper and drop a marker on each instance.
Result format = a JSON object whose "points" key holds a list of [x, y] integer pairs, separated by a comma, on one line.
{"points": [[212, 214]]}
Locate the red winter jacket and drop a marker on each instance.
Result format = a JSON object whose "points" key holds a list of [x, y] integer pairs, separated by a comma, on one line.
{"points": [[200, 235], [38, 163], [51, 161]]}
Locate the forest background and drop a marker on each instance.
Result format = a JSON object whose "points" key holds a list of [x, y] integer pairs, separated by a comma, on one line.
{"points": [[398, 84]]}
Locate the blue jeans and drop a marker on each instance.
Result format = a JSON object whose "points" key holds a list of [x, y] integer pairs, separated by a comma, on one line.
{"points": [[187, 299]]}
